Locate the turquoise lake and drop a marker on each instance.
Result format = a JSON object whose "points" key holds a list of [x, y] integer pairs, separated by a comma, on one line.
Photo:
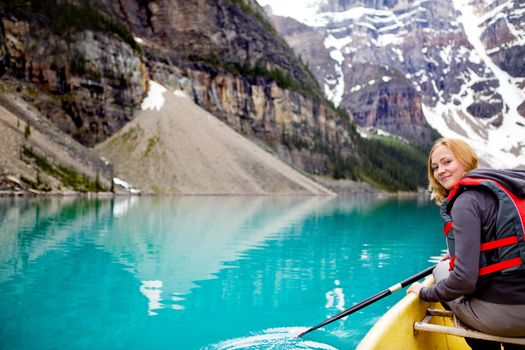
{"points": [[204, 272]]}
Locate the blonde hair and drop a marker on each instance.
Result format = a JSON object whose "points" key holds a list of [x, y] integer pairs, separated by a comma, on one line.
{"points": [[462, 151]]}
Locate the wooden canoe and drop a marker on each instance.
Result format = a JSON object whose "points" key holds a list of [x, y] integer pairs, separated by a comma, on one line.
{"points": [[395, 329]]}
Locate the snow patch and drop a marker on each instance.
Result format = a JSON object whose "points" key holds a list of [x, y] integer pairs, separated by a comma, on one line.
{"points": [[446, 54], [389, 39], [155, 99], [355, 88], [180, 93], [370, 131], [124, 184], [399, 54], [335, 90]]}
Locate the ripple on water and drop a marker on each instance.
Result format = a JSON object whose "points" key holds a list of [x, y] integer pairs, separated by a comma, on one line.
{"points": [[272, 338]]}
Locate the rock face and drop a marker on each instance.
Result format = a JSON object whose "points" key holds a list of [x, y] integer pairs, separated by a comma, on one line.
{"points": [[502, 33], [382, 97], [308, 43], [36, 157], [90, 77], [521, 109], [462, 63], [86, 83], [285, 119]]}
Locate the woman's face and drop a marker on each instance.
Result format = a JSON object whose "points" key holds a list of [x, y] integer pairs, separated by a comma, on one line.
{"points": [[448, 170]]}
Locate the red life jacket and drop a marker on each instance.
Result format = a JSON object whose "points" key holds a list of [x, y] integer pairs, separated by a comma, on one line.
{"points": [[506, 251]]}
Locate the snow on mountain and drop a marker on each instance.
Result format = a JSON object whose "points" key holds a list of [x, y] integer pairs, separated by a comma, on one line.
{"points": [[463, 57], [501, 146]]}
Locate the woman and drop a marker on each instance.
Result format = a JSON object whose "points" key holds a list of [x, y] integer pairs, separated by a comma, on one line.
{"points": [[485, 287]]}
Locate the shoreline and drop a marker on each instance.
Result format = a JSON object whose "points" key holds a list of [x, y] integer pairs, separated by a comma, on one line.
{"points": [[336, 188], [355, 193]]}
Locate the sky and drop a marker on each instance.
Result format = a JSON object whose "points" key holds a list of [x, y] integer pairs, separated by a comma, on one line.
{"points": [[290, 8]]}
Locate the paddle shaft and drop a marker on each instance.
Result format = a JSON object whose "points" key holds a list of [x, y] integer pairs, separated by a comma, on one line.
{"points": [[372, 299]]}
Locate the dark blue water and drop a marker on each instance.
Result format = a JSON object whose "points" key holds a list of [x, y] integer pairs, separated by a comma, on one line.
{"points": [[204, 272]]}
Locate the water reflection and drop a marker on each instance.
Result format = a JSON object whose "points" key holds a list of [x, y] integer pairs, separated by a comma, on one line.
{"points": [[152, 291], [335, 298], [178, 242], [31, 228], [123, 204]]}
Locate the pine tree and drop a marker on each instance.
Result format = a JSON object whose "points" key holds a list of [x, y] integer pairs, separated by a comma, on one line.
{"points": [[27, 131]]}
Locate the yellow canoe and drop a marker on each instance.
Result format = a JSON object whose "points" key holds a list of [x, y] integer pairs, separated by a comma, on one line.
{"points": [[395, 330]]}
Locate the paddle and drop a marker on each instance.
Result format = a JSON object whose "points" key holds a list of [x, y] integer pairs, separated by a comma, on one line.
{"points": [[372, 299]]}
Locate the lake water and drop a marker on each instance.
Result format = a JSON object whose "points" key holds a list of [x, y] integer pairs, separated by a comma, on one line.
{"points": [[204, 272]]}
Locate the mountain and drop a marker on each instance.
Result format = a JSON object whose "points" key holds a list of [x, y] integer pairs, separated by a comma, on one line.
{"points": [[408, 67], [158, 149], [86, 66]]}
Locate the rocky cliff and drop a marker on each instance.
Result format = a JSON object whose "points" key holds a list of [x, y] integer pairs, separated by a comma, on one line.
{"points": [[384, 98], [87, 82], [502, 33]]}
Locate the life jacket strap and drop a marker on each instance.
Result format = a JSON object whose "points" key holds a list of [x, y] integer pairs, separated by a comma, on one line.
{"points": [[500, 266], [499, 243], [448, 226], [451, 263], [466, 181]]}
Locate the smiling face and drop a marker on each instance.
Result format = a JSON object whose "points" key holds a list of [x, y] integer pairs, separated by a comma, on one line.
{"points": [[447, 168]]}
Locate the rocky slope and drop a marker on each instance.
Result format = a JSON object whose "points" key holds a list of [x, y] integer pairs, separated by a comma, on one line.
{"points": [[37, 157], [174, 146]]}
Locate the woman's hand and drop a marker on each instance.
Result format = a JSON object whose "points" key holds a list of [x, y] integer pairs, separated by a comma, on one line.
{"points": [[445, 257], [415, 288]]}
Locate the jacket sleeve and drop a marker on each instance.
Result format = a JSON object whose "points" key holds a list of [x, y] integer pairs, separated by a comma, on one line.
{"points": [[462, 280]]}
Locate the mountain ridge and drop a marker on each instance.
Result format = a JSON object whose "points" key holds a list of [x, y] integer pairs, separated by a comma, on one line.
{"points": [[459, 55]]}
